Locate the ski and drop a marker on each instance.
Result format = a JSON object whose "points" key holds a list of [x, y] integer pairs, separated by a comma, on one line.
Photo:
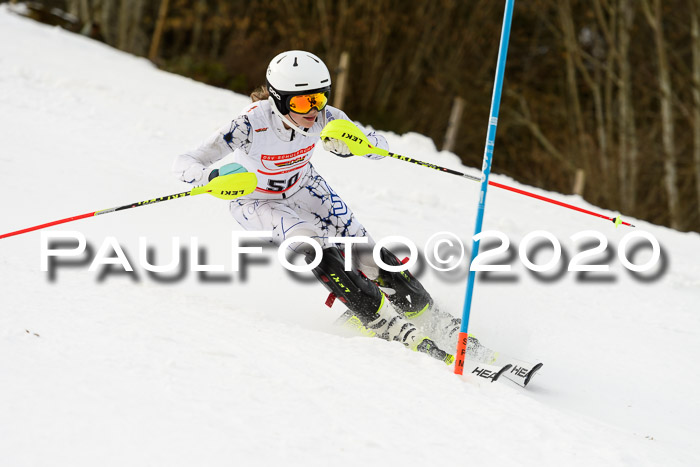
{"points": [[480, 360], [485, 370], [520, 372]]}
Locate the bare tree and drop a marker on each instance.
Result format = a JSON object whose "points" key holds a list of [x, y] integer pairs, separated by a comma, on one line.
{"points": [[125, 8], [571, 48], [80, 9], [654, 16], [629, 146], [130, 36], [158, 32], [106, 16], [200, 9], [695, 33]]}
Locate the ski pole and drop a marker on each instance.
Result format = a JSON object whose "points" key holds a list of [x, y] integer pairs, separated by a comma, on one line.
{"points": [[348, 132], [224, 187]]}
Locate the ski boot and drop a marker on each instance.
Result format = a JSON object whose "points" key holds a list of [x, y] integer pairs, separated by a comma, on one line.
{"points": [[403, 290], [409, 296], [369, 307], [479, 353]]}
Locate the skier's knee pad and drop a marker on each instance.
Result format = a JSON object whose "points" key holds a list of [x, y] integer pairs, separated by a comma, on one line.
{"points": [[409, 295], [357, 292]]}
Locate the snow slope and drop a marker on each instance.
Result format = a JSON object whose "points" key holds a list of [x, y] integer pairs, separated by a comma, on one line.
{"points": [[248, 370]]}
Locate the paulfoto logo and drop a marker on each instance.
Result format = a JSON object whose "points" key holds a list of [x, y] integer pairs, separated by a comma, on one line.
{"points": [[443, 252]]}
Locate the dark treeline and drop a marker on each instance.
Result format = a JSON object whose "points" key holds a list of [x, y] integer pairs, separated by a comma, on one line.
{"points": [[608, 88]]}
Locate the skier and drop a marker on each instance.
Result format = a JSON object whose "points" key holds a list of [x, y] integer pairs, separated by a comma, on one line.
{"points": [[274, 137]]}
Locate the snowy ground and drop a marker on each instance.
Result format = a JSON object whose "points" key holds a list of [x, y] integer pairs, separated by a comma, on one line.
{"points": [[128, 370]]}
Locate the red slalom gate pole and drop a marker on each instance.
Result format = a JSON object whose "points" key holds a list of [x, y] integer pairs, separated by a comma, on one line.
{"points": [[616, 220]]}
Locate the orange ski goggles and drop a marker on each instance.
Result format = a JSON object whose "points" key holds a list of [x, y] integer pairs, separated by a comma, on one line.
{"points": [[302, 104]]}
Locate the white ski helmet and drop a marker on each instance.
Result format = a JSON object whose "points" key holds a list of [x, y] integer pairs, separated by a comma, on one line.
{"points": [[293, 73]]}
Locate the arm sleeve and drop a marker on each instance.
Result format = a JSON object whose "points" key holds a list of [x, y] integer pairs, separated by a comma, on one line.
{"points": [[191, 166], [374, 138]]}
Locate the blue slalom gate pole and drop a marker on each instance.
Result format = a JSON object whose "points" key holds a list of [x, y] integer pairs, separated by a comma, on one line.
{"points": [[486, 171]]}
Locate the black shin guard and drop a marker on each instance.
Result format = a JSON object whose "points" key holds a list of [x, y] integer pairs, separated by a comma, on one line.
{"points": [[409, 295], [357, 292]]}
